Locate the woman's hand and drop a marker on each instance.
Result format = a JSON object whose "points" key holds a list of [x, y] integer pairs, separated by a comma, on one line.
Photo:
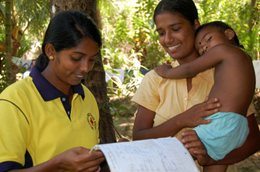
{"points": [[196, 148], [79, 159], [196, 115]]}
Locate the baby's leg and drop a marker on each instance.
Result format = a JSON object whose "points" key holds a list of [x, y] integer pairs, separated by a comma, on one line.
{"points": [[215, 168]]}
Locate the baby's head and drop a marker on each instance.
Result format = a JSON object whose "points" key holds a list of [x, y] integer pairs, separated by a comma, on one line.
{"points": [[214, 33]]}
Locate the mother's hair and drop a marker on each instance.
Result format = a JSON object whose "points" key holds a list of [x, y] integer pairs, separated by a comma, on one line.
{"points": [[186, 8], [66, 30]]}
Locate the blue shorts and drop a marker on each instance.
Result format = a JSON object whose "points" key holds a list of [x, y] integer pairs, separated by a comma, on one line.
{"points": [[225, 132]]}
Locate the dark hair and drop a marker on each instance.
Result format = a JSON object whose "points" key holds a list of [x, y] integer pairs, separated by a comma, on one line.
{"points": [[222, 27], [186, 8], [65, 30]]}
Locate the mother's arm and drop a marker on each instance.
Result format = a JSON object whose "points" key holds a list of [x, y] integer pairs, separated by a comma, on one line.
{"points": [[143, 125], [251, 145]]}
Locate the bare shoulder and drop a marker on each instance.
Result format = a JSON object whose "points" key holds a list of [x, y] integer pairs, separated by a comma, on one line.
{"points": [[226, 47], [227, 50]]}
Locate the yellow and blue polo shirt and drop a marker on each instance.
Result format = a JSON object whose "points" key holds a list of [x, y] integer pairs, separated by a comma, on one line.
{"points": [[37, 122]]}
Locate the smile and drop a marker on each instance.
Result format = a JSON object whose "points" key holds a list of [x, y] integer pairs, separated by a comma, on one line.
{"points": [[79, 76], [172, 48]]}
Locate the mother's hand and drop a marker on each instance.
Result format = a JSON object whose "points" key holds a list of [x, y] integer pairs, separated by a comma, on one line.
{"points": [[196, 148], [196, 114]]}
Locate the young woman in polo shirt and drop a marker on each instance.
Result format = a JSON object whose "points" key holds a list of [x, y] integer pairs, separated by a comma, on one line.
{"points": [[49, 120]]}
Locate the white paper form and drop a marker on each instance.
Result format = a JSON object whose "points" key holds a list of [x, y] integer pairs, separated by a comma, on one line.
{"points": [[151, 155]]}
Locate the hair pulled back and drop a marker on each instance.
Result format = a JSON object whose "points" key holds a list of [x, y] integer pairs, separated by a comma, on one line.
{"points": [[65, 30]]}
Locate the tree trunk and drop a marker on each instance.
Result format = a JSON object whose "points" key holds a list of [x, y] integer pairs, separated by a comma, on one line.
{"points": [[251, 22], [8, 39], [10, 78], [95, 80]]}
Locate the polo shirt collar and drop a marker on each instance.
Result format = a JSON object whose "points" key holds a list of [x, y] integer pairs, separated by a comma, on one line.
{"points": [[47, 90]]}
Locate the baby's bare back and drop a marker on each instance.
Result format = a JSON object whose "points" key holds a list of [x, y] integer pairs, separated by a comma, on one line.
{"points": [[234, 83]]}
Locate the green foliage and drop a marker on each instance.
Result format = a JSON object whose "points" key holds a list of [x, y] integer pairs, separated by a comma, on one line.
{"points": [[128, 30], [131, 74], [122, 107], [145, 38], [29, 20], [3, 74], [2, 16], [31, 17], [129, 38]]}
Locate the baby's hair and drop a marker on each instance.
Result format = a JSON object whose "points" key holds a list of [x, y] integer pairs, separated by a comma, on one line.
{"points": [[222, 26]]}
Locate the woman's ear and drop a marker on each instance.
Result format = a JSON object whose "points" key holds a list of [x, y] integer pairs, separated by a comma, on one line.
{"points": [[49, 50], [230, 34]]}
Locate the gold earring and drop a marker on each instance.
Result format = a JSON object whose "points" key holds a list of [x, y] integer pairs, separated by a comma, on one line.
{"points": [[51, 57]]}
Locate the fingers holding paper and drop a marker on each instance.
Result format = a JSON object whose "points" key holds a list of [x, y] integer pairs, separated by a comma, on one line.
{"points": [[92, 161], [80, 159]]}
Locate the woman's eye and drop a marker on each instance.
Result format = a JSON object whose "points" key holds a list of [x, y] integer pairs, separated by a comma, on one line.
{"points": [[175, 28], [75, 58]]}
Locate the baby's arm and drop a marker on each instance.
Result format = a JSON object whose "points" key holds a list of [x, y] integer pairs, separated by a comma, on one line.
{"points": [[179, 72], [190, 69], [164, 70]]}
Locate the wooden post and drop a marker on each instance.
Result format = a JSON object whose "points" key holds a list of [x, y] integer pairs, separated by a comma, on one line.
{"points": [[8, 41]]}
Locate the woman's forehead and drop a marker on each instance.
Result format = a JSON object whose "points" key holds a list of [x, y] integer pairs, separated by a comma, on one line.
{"points": [[169, 18]]}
